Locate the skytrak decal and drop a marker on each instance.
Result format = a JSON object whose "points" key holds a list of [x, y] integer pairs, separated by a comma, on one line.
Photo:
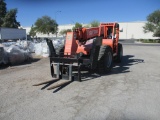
{"points": [[92, 32]]}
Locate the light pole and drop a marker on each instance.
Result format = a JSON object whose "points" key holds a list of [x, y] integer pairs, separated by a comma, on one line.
{"points": [[56, 20]]}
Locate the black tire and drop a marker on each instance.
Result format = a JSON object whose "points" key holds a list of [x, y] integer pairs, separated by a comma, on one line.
{"points": [[94, 57], [120, 53], [105, 59]]}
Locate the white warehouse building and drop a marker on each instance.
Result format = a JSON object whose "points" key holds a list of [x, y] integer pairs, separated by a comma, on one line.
{"points": [[134, 30], [130, 30]]}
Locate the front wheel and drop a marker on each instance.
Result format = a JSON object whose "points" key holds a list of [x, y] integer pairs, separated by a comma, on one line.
{"points": [[120, 53], [105, 59]]}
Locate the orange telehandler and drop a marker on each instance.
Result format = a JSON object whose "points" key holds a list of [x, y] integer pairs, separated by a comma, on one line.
{"points": [[94, 49]]}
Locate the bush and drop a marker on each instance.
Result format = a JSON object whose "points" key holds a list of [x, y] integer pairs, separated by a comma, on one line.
{"points": [[149, 40]]}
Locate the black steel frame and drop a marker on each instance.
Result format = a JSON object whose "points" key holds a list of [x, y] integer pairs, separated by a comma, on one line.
{"points": [[61, 61]]}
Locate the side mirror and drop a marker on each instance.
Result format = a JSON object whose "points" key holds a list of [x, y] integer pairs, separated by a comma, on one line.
{"points": [[121, 30]]}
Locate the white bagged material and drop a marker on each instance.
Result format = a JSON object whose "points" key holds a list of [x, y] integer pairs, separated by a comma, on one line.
{"points": [[38, 49], [45, 49], [26, 45], [45, 52], [17, 54], [31, 47], [41, 49], [3, 55], [23, 44], [7, 44], [58, 45]]}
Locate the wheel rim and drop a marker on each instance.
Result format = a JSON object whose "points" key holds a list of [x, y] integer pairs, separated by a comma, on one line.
{"points": [[108, 59]]}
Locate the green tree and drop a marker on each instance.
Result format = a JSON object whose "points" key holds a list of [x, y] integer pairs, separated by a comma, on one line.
{"points": [[3, 11], [153, 23], [64, 32], [77, 25], [94, 23], [10, 19], [32, 32], [46, 25]]}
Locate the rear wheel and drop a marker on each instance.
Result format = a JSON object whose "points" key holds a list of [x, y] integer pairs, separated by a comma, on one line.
{"points": [[105, 59]]}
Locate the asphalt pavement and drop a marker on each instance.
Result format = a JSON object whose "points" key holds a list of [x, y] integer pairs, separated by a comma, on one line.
{"points": [[130, 92]]}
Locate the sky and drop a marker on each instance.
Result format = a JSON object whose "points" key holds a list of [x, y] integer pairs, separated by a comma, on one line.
{"points": [[82, 11]]}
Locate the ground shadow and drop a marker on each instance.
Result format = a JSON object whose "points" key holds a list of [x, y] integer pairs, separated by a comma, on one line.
{"points": [[49, 83], [4, 66], [123, 67], [26, 62], [62, 86], [118, 68]]}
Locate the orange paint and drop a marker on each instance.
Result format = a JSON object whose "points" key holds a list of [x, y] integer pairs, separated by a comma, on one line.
{"points": [[76, 41]]}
